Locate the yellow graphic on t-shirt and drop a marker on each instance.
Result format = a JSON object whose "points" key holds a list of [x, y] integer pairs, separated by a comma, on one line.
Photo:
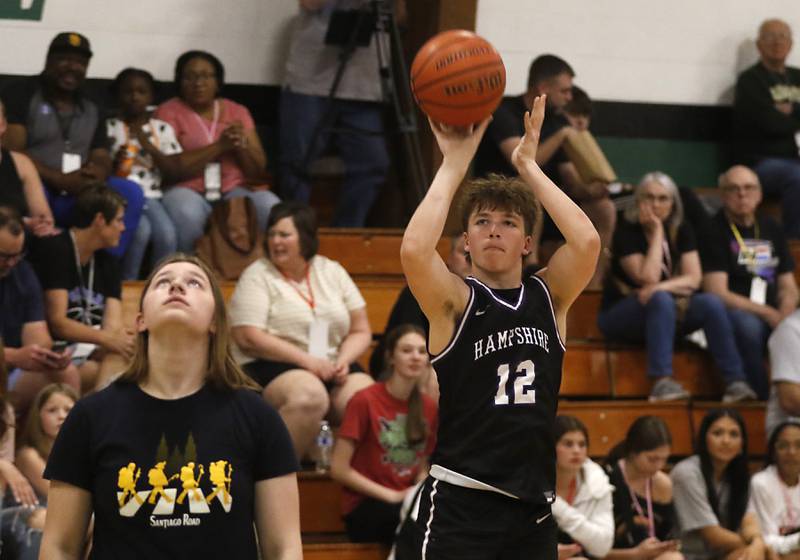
{"points": [[158, 480], [189, 482], [128, 477], [221, 480]]}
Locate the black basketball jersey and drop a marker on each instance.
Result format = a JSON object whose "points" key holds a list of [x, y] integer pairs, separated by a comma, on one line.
{"points": [[499, 379]]}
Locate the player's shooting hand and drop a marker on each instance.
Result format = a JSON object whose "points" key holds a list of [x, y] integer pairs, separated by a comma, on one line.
{"points": [[458, 144], [525, 152]]}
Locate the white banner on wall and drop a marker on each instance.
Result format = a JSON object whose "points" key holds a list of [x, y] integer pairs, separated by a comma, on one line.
{"points": [[682, 51], [249, 36]]}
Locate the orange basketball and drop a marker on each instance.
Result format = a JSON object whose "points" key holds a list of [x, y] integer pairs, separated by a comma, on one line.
{"points": [[458, 78]]}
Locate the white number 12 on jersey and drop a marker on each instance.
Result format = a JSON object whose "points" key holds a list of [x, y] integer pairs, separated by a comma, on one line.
{"points": [[523, 392]]}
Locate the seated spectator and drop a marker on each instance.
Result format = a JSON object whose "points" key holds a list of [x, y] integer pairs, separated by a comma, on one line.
{"points": [[300, 324], [552, 76], [711, 491], [28, 346], [750, 268], [775, 492], [49, 410], [53, 122], [223, 154], [20, 526], [82, 286], [145, 151], [784, 399], [766, 118], [387, 434], [651, 291], [583, 508], [643, 511], [406, 309], [21, 188]]}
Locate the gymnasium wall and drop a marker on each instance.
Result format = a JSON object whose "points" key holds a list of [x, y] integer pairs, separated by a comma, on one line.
{"points": [[677, 52], [250, 36]]}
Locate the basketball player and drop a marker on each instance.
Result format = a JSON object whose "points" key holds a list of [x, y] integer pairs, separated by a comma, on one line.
{"points": [[497, 346]]}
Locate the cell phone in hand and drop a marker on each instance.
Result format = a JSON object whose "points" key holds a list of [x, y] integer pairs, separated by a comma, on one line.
{"points": [[60, 346]]}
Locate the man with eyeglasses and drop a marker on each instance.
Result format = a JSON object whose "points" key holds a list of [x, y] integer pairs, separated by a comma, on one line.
{"points": [[750, 268], [53, 121], [28, 349], [766, 120]]}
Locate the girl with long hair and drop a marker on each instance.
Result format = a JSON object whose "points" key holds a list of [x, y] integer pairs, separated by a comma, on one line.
{"points": [[583, 508], [179, 457], [643, 513], [386, 436], [711, 493], [775, 492]]}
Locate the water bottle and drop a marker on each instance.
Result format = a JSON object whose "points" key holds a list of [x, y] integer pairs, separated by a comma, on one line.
{"points": [[324, 445]]}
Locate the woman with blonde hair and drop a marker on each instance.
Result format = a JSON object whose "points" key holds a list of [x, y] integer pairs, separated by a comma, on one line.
{"points": [[179, 457], [651, 292]]}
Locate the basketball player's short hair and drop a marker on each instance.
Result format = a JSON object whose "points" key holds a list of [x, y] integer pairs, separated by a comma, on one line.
{"points": [[498, 192], [546, 67]]}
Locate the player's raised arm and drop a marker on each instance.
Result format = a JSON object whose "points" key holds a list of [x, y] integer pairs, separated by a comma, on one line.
{"points": [[441, 294], [572, 265]]}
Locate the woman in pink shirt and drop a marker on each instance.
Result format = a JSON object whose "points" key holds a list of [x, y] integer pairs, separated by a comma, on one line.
{"points": [[220, 144]]}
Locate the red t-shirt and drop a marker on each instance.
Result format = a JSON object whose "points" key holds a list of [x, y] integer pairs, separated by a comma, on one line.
{"points": [[376, 422], [194, 131]]}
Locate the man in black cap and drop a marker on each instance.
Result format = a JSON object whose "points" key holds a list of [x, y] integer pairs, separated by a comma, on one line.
{"points": [[52, 121]]}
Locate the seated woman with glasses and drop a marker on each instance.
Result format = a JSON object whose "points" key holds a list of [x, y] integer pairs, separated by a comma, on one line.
{"points": [[651, 293], [223, 156]]}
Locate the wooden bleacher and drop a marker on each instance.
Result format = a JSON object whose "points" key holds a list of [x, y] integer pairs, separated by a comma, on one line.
{"points": [[604, 385]]}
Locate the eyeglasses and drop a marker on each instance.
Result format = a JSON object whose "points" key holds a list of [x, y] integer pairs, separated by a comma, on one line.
{"points": [[776, 37], [201, 77], [740, 189], [12, 257], [657, 198]]}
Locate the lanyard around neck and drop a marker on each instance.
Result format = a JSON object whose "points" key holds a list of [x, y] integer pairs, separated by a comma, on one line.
{"points": [[308, 299], [738, 236], [212, 130], [87, 294], [635, 500]]}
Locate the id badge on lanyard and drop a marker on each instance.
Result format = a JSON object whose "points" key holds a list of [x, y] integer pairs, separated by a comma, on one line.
{"points": [[70, 162], [318, 337]]}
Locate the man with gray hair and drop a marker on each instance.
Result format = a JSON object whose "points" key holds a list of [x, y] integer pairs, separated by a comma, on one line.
{"points": [[766, 120], [750, 268]]}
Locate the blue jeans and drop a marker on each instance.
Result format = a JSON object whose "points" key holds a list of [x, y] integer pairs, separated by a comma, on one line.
{"points": [[360, 143], [155, 226], [781, 177], [189, 211], [63, 204], [654, 324], [751, 334]]}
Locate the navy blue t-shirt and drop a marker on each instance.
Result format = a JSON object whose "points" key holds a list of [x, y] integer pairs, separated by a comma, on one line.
{"points": [[171, 478], [20, 303]]}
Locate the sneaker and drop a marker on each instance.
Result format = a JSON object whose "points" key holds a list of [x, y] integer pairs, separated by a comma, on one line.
{"points": [[667, 389], [739, 391]]}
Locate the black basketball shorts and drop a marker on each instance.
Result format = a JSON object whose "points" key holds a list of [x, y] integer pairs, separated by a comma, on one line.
{"points": [[448, 522]]}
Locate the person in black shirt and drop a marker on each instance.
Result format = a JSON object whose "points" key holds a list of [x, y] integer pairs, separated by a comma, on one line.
{"points": [[497, 344], [766, 120], [180, 457], [750, 268], [551, 76], [651, 291], [21, 188], [82, 286]]}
